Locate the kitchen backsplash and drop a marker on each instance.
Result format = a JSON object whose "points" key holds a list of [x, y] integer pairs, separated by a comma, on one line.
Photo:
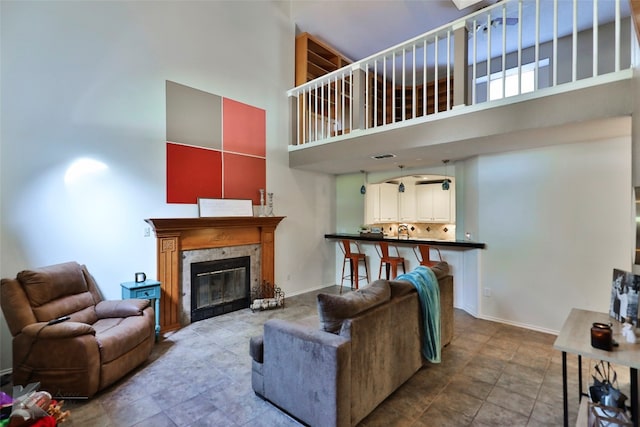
{"points": [[420, 230]]}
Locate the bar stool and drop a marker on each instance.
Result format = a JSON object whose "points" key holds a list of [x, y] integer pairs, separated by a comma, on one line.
{"points": [[423, 255], [354, 259], [390, 262]]}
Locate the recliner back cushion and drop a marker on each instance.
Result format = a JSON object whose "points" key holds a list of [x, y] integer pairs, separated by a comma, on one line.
{"points": [[58, 290]]}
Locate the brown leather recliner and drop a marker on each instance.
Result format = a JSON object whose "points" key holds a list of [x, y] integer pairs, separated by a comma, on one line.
{"points": [[100, 343]]}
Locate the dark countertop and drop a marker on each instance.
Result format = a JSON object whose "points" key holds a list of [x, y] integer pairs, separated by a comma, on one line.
{"points": [[443, 243]]}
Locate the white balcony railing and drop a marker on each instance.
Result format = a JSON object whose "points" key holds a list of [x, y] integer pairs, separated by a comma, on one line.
{"points": [[508, 49]]}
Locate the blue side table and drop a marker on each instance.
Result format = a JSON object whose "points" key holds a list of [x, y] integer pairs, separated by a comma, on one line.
{"points": [[149, 289]]}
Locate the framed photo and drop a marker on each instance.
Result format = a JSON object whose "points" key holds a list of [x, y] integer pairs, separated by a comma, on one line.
{"points": [[224, 207], [624, 296]]}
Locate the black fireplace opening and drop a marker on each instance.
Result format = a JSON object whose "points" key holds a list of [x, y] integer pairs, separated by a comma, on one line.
{"points": [[219, 287]]}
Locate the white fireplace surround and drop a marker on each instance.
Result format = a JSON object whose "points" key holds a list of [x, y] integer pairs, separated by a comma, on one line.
{"points": [[214, 254]]}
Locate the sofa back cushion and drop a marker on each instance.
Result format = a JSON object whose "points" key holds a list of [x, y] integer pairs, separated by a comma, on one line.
{"points": [[335, 309], [58, 290]]}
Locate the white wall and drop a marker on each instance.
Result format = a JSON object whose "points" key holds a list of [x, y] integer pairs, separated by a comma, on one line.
{"points": [[556, 222], [87, 79]]}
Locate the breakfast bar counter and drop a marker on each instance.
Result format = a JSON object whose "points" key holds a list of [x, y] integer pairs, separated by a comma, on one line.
{"points": [[457, 244]]}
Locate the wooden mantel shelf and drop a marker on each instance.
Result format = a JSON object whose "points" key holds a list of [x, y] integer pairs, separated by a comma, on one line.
{"points": [[164, 225], [175, 235]]}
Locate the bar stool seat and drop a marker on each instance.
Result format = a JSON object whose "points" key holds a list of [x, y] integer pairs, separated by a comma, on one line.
{"points": [[390, 262], [353, 258], [423, 254]]}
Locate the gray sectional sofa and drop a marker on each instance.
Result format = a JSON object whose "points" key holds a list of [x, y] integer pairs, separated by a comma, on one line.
{"points": [[335, 368]]}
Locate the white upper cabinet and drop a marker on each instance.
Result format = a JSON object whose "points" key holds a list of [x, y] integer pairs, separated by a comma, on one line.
{"points": [[433, 204], [418, 203], [388, 202], [407, 204], [381, 203]]}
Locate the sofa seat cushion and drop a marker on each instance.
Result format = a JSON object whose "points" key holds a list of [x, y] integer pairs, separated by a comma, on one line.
{"points": [[118, 336], [333, 310]]}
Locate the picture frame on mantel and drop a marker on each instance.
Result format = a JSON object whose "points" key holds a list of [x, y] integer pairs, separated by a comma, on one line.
{"points": [[208, 208]]}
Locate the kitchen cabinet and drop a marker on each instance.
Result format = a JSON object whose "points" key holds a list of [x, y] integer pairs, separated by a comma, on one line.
{"points": [[433, 204], [381, 203], [407, 204], [388, 202]]}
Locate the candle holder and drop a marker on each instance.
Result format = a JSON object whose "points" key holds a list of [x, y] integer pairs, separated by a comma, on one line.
{"points": [[270, 207], [261, 212]]}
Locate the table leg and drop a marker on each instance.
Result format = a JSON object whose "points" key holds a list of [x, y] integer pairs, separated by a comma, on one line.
{"points": [[565, 403], [580, 378], [157, 318], [634, 396]]}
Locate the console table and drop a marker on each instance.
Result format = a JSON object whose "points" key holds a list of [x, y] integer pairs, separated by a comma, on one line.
{"points": [[149, 289], [575, 338]]}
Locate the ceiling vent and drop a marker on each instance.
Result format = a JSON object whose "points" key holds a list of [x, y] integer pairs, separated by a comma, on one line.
{"points": [[383, 156]]}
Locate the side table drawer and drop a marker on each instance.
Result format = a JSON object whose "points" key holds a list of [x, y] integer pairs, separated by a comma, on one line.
{"points": [[147, 293]]}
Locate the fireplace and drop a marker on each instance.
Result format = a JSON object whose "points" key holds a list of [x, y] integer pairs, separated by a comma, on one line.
{"points": [[183, 241], [219, 287]]}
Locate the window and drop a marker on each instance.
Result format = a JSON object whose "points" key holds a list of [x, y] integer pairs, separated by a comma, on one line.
{"points": [[511, 80]]}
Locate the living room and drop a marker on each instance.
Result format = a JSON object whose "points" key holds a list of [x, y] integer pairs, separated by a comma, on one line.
{"points": [[87, 80]]}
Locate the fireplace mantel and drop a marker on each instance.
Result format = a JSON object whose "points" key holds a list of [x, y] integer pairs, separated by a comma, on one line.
{"points": [[175, 235]]}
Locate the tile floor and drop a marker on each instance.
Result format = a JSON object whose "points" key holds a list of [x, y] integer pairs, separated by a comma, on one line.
{"points": [[491, 375]]}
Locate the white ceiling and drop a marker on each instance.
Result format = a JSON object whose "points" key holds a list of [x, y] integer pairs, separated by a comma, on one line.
{"points": [[359, 28]]}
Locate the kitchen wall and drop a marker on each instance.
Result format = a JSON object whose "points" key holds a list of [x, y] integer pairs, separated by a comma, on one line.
{"points": [[556, 222], [87, 80]]}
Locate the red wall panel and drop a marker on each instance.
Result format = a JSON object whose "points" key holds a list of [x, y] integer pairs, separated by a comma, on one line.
{"points": [[243, 129], [243, 177], [193, 172]]}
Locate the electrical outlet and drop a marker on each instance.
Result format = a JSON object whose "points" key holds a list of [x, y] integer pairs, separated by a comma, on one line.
{"points": [[147, 231], [487, 292]]}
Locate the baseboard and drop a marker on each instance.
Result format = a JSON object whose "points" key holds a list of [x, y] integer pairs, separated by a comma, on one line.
{"points": [[304, 291], [518, 324]]}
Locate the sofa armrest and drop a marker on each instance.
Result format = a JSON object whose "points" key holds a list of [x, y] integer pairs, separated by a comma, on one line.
{"points": [[121, 308], [66, 329], [307, 372]]}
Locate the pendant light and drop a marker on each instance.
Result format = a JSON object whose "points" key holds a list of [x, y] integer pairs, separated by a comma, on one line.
{"points": [[363, 189], [401, 186], [446, 183]]}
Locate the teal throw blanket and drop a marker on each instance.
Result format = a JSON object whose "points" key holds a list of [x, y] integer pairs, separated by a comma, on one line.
{"points": [[426, 283]]}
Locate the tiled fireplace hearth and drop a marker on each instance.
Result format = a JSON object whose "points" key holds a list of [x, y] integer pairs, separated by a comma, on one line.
{"points": [[183, 241]]}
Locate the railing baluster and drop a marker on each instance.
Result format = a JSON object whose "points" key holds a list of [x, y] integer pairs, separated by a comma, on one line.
{"points": [[574, 54], [537, 48], [519, 47], [393, 88], [337, 125], [617, 35], [413, 93], [448, 69], [475, 62], [375, 93], [595, 38], [504, 51], [424, 77], [489, 57], [555, 43], [384, 90], [351, 103], [435, 78], [403, 104]]}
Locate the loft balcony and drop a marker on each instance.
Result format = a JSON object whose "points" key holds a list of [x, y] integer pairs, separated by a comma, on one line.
{"points": [[519, 74]]}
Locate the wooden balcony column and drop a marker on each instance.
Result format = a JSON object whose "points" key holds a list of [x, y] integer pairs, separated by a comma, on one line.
{"points": [[358, 101], [460, 65]]}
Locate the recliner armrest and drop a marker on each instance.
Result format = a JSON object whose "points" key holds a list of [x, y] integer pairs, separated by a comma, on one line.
{"points": [[121, 308], [66, 329]]}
